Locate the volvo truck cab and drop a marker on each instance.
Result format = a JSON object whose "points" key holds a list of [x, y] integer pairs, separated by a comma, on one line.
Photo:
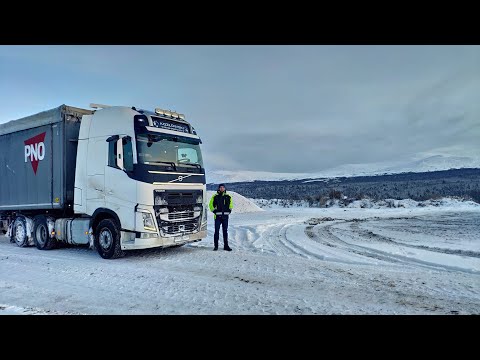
{"points": [[143, 170]]}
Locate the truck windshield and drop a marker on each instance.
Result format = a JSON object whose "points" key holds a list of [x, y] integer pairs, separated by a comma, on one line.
{"points": [[177, 153]]}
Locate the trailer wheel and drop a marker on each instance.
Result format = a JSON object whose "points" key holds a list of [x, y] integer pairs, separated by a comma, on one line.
{"points": [[19, 232], [107, 239], [41, 236]]}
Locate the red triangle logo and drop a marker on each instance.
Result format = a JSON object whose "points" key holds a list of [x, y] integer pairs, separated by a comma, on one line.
{"points": [[32, 141]]}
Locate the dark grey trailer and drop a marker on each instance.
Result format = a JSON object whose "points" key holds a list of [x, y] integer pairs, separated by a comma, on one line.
{"points": [[37, 160]]}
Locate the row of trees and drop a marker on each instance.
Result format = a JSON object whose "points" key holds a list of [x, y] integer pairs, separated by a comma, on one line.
{"points": [[418, 188]]}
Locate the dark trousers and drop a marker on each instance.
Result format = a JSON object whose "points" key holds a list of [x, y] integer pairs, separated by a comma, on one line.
{"points": [[221, 220]]}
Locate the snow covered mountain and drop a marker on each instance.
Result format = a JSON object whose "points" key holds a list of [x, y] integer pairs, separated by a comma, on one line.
{"points": [[431, 163]]}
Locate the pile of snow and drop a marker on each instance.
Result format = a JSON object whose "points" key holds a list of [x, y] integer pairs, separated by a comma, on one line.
{"points": [[369, 203], [240, 203]]}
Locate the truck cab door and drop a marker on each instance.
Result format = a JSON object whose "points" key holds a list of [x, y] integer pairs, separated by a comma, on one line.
{"points": [[120, 189], [96, 160]]}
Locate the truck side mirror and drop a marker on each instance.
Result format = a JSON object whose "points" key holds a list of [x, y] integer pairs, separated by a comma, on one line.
{"points": [[113, 151], [127, 154], [120, 153], [119, 159]]}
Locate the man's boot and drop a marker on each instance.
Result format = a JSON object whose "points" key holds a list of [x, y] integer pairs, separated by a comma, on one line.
{"points": [[225, 246]]}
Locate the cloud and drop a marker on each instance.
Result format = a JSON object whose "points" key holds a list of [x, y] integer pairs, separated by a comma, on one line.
{"points": [[272, 108]]}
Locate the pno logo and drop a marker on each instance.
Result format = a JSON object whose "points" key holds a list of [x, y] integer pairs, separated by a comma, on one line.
{"points": [[35, 150]]}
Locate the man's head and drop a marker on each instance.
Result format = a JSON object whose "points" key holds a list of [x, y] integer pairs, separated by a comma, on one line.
{"points": [[221, 188]]}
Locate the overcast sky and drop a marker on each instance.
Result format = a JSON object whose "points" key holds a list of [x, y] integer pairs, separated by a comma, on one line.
{"points": [[270, 108]]}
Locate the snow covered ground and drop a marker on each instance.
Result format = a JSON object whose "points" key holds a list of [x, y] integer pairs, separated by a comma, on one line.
{"points": [[285, 261]]}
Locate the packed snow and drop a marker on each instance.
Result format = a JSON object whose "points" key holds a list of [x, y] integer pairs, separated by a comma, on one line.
{"points": [[399, 260]]}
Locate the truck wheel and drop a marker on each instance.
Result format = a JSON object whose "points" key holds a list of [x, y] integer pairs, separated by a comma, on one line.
{"points": [[107, 239], [41, 235], [19, 232]]}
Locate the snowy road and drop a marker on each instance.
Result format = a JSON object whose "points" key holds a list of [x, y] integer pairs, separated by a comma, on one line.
{"points": [[297, 261]]}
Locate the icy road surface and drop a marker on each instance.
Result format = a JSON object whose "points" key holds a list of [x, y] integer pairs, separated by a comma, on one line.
{"points": [[292, 261]]}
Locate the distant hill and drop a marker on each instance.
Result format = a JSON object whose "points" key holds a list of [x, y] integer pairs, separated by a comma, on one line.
{"points": [[430, 163], [418, 186]]}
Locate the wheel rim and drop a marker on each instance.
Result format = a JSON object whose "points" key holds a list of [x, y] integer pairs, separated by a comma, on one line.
{"points": [[19, 233], [105, 239], [41, 234]]}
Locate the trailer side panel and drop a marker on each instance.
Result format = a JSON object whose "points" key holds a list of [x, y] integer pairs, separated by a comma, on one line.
{"points": [[31, 168]]}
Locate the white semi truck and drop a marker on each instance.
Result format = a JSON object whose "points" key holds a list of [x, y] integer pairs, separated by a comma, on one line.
{"points": [[114, 178]]}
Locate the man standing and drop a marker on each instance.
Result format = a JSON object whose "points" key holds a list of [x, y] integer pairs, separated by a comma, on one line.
{"points": [[221, 204]]}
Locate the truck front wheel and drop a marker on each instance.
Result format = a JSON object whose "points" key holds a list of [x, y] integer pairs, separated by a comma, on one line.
{"points": [[41, 235], [107, 239]]}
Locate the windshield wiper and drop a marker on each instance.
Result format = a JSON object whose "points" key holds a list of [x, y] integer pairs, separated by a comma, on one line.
{"points": [[171, 163], [191, 164]]}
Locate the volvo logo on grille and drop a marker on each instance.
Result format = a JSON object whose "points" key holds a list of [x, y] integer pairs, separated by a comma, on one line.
{"points": [[181, 178], [181, 227]]}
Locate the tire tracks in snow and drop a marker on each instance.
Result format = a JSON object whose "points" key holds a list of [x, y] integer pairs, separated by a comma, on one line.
{"points": [[326, 233]]}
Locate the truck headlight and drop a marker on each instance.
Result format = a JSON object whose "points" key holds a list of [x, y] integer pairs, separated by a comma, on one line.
{"points": [[148, 223]]}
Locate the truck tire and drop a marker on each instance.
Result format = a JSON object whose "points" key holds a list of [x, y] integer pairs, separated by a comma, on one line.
{"points": [[19, 232], [41, 235], [107, 239]]}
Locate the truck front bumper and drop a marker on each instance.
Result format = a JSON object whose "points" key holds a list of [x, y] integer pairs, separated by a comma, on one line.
{"points": [[130, 242]]}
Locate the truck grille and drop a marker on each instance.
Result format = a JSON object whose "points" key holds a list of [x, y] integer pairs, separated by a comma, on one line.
{"points": [[178, 228], [180, 216], [174, 197], [177, 197]]}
